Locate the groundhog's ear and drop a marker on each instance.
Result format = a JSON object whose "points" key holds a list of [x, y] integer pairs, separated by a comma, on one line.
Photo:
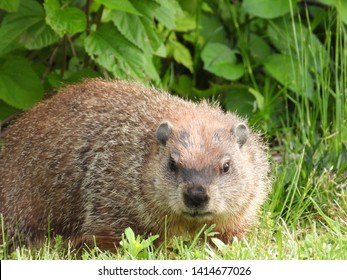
{"points": [[241, 133], [163, 132]]}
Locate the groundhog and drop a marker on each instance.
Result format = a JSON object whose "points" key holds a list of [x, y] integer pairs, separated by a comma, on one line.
{"points": [[101, 156]]}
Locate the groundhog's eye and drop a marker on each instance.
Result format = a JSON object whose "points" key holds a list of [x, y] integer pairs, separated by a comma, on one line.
{"points": [[172, 165], [226, 167]]}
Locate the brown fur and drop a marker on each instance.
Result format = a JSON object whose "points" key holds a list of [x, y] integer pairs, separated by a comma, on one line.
{"points": [[89, 163]]}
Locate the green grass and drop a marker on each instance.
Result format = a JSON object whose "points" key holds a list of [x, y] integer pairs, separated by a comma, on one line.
{"points": [[271, 239]]}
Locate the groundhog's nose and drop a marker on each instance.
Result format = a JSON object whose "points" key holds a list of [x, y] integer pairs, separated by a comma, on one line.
{"points": [[196, 196]]}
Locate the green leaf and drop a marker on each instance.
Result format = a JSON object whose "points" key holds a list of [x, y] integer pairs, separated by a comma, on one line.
{"points": [[6, 111], [108, 47], [220, 60], [268, 8], [135, 245], [216, 53], [258, 97], [288, 72], [148, 8], [20, 87], [150, 69], [258, 47], [119, 5], [183, 86], [166, 13], [181, 54], [212, 29], [13, 25], [156, 42], [239, 100], [341, 7], [185, 22], [64, 20], [38, 36], [138, 30], [9, 5], [131, 27]]}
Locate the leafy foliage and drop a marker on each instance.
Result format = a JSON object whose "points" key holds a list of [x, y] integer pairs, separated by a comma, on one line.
{"points": [[64, 20], [191, 48], [16, 93], [134, 246]]}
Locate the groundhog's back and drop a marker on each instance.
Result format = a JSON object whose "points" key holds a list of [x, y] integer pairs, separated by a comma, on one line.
{"points": [[87, 163]]}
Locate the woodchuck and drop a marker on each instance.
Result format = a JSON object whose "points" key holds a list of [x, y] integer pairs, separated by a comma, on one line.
{"points": [[101, 156]]}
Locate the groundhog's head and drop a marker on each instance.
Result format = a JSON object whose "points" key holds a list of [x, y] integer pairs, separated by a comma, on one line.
{"points": [[207, 169]]}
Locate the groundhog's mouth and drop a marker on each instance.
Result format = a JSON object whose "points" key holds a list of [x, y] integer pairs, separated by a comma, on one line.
{"points": [[198, 215]]}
